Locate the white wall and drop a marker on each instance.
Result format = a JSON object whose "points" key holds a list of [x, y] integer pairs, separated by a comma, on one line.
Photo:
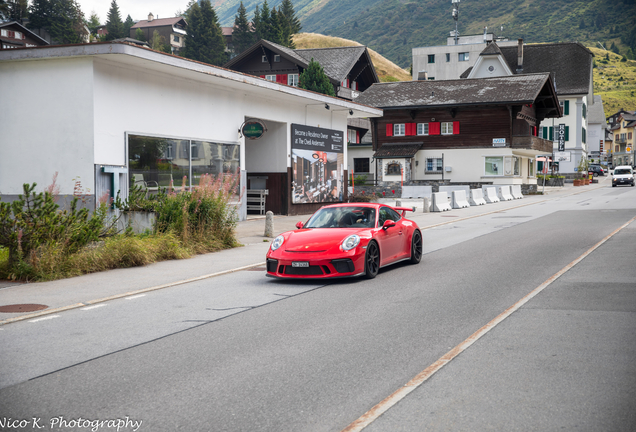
{"points": [[46, 124]]}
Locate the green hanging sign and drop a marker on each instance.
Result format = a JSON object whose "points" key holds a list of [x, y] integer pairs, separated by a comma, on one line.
{"points": [[253, 129]]}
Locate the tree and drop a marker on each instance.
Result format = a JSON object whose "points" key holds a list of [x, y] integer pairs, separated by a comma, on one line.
{"points": [[314, 78], [93, 23], [127, 25], [204, 41], [114, 25], [62, 19], [275, 33], [257, 24], [139, 35], [242, 36], [158, 42], [14, 10], [286, 9], [262, 22]]}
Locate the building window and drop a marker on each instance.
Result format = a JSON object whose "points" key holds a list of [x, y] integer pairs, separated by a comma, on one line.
{"points": [[492, 166], [361, 165], [463, 56], [422, 128], [345, 83], [270, 78], [629, 135], [431, 58], [584, 135], [276, 58], [447, 128], [399, 129], [431, 78], [264, 59], [517, 166], [584, 111], [4, 33], [566, 107], [393, 168], [447, 57], [176, 38], [352, 135], [292, 80], [530, 168], [433, 165]]}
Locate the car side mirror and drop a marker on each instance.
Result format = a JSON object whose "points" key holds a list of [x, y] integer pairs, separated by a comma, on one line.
{"points": [[299, 225], [388, 224]]}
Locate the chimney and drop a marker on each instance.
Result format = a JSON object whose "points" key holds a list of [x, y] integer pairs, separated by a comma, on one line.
{"points": [[520, 56], [422, 76], [150, 17]]}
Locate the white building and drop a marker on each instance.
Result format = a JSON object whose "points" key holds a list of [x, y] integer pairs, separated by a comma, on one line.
{"points": [[87, 111], [449, 61]]}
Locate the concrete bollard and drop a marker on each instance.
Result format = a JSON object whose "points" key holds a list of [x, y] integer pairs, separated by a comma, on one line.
{"points": [[269, 224], [427, 205], [398, 203]]}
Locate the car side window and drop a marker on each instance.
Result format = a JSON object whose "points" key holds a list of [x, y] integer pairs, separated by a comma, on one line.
{"points": [[388, 214]]}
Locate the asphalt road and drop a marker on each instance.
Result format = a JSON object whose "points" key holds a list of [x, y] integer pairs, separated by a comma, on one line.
{"points": [[242, 352]]}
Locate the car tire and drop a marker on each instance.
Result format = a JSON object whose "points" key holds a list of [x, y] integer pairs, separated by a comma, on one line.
{"points": [[372, 261], [595, 174], [416, 247]]}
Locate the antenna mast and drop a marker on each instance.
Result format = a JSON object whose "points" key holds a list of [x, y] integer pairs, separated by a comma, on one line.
{"points": [[455, 14]]}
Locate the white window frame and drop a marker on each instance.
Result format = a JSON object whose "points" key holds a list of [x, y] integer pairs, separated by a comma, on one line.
{"points": [[446, 128], [436, 165], [352, 135], [500, 166], [271, 78], [292, 80], [276, 58], [516, 166], [264, 59], [422, 129], [4, 32], [399, 129]]}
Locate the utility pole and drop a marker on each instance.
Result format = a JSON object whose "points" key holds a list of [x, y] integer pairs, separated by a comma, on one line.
{"points": [[455, 14]]}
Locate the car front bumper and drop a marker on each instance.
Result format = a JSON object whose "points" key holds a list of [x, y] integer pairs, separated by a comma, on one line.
{"points": [[281, 265]]}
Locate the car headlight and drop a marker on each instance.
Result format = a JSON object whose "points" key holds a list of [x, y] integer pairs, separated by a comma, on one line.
{"points": [[278, 242], [350, 242]]}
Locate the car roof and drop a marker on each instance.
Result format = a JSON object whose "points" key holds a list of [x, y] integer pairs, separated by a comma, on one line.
{"points": [[356, 204]]}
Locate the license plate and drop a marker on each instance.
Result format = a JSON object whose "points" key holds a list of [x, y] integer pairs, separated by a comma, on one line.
{"points": [[300, 264]]}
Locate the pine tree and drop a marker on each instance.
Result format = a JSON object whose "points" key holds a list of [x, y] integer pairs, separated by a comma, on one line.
{"points": [[114, 25], [93, 23], [266, 25], [15, 10], [257, 24], [242, 36], [275, 33], [314, 78], [127, 25], [62, 19], [205, 41], [286, 9]]}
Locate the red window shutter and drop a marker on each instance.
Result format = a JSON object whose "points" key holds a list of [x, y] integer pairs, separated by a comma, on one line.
{"points": [[281, 79], [410, 129], [262, 76], [389, 129], [434, 128], [357, 137], [455, 128]]}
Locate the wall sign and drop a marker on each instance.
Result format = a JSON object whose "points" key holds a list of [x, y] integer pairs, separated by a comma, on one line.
{"points": [[498, 142], [561, 137], [253, 129], [317, 164]]}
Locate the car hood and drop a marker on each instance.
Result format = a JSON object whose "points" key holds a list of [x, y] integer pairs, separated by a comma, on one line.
{"points": [[318, 239]]}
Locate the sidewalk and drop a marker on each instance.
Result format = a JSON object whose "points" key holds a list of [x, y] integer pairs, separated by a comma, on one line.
{"points": [[103, 286]]}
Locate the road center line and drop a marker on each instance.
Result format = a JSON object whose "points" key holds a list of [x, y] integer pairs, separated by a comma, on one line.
{"points": [[382, 407], [93, 307], [135, 296]]}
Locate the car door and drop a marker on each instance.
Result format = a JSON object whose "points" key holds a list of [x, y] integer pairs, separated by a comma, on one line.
{"points": [[391, 240]]}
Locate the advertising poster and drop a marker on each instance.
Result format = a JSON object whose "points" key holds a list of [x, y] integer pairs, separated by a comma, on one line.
{"points": [[317, 164]]}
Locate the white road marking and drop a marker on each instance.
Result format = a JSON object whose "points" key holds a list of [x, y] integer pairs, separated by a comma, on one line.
{"points": [[93, 307], [382, 407], [45, 318], [135, 296]]}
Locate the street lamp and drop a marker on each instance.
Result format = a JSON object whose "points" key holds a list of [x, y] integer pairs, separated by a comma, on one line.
{"points": [[455, 14]]}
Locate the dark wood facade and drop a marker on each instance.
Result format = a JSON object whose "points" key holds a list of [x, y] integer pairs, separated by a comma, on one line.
{"points": [[477, 128]]}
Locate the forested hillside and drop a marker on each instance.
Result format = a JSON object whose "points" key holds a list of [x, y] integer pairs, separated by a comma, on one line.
{"points": [[394, 27]]}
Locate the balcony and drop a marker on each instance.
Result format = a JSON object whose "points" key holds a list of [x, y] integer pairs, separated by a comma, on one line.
{"points": [[618, 140], [531, 143]]}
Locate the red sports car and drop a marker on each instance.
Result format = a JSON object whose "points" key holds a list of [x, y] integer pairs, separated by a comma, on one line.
{"points": [[343, 240]]}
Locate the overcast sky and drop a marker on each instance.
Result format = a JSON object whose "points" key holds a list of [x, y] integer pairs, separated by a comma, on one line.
{"points": [[137, 9]]}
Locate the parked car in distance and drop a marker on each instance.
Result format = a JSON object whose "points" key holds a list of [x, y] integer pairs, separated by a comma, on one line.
{"points": [[623, 174], [344, 240], [597, 170]]}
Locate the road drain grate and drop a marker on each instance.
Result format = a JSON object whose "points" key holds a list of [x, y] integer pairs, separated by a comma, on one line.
{"points": [[17, 308]]}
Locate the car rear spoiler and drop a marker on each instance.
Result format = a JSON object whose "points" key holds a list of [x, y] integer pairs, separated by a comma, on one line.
{"points": [[404, 209]]}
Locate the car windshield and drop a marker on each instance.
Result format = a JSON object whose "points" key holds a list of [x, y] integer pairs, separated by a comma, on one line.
{"points": [[622, 171], [342, 217]]}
